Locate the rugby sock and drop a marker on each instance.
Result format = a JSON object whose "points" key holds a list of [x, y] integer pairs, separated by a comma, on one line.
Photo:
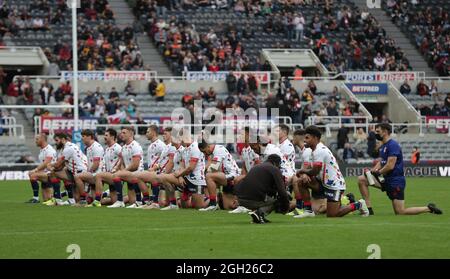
{"points": [[299, 201], [355, 206], [155, 192], [370, 211], [307, 205], [146, 197], [212, 200], [83, 196], [69, 189], [173, 201], [98, 196], [118, 186], [35, 188], [55, 183], [138, 192], [63, 194]]}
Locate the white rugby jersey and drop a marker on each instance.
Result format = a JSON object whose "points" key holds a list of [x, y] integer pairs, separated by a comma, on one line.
{"points": [[193, 153], [47, 152], [131, 150], [329, 174], [112, 156], [76, 161], [249, 157], [178, 158], [168, 152], [95, 152], [226, 162], [273, 149], [154, 152], [288, 151]]}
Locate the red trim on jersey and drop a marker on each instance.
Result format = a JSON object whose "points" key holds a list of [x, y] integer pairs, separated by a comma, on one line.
{"points": [[194, 160], [96, 159], [317, 164]]}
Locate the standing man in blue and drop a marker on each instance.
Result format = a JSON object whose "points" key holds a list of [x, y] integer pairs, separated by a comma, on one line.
{"points": [[390, 167]]}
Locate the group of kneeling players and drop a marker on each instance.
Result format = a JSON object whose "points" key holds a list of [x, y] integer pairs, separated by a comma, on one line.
{"points": [[183, 172]]}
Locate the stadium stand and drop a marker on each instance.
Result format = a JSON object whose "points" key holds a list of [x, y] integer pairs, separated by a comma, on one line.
{"points": [[427, 24], [101, 44], [215, 36]]}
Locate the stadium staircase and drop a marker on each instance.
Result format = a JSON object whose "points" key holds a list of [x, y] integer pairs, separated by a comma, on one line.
{"points": [[124, 16], [415, 58]]}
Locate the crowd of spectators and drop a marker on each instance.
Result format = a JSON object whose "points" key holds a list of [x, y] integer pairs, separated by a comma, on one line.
{"points": [[429, 25], [101, 44], [441, 100], [221, 47]]}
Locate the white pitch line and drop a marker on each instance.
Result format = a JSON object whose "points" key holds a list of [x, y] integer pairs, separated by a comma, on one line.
{"points": [[436, 225]]}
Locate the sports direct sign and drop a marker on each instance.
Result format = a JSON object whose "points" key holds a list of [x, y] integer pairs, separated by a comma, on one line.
{"points": [[382, 76], [440, 122], [261, 77], [368, 88], [110, 75]]}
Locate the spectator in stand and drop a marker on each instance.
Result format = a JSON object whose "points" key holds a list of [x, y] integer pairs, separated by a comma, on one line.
{"points": [[360, 137], [113, 95], [447, 101], [422, 89], [102, 120], [342, 137], [332, 109], [231, 83], [252, 83], [434, 92], [349, 153], [379, 62], [100, 107], [405, 89], [12, 93], [160, 91], [152, 85], [129, 90], [241, 85], [371, 142], [211, 95], [415, 156]]}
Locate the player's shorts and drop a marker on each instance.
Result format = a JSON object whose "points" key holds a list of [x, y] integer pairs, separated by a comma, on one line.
{"points": [[395, 192], [46, 185], [192, 188], [330, 194], [71, 175]]}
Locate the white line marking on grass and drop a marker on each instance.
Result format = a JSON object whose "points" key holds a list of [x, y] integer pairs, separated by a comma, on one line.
{"points": [[436, 225]]}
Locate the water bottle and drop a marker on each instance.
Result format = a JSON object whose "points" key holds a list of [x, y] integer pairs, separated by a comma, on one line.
{"points": [[369, 176]]}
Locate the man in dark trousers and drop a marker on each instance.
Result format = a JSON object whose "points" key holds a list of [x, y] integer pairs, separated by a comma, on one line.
{"points": [[263, 190]]}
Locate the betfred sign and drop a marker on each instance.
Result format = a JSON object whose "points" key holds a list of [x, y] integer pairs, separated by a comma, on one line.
{"points": [[61, 124], [381, 76], [440, 122], [368, 88]]}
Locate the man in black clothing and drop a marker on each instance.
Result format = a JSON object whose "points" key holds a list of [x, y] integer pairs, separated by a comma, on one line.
{"points": [[263, 190]]}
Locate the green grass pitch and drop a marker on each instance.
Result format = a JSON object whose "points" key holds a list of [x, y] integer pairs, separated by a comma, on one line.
{"points": [[37, 231]]}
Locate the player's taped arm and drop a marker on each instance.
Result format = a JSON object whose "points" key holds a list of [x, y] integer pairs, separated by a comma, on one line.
{"points": [[315, 170], [59, 164], [134, 163], [169, 165], [189, 169], [44, 164], [213, 166], [95, 164]]}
